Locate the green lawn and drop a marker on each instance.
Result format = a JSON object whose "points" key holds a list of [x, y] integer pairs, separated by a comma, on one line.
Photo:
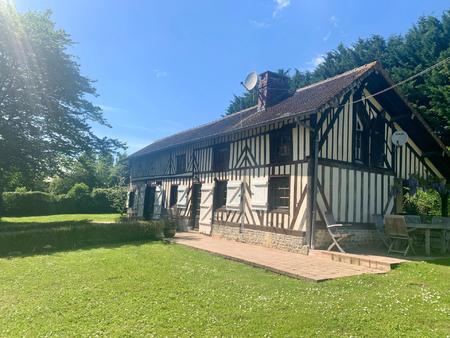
{"points": [[63, 218], [170, 290]]}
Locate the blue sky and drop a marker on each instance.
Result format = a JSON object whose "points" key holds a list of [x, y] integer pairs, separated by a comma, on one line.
{"points": [[165, 66]]}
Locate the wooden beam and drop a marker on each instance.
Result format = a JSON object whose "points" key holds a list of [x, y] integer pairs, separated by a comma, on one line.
{"points": [[302, 123], [312, 181], [319, 123]]}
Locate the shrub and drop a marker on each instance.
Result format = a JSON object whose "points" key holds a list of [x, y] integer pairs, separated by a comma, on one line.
{"points": [[77, 200], [423, 203], [28, 203], [109, 199], [79, 197], [78, 191], [169, 228], [40, 237]]}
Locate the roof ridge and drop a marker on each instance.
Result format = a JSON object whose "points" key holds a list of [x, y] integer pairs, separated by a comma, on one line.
{"points": [[367, 65], [142, 151]]}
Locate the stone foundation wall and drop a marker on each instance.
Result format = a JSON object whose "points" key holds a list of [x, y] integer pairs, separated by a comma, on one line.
{"points": [[259, 237], [362, 238]]}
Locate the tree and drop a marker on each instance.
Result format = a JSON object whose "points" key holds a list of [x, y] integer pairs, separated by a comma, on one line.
{"points": [[93, 170], [45, 111], [425, 44]]}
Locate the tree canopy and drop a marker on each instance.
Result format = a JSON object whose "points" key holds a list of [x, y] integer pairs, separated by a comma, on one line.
{"points": [[425, 44], [46, 113]]}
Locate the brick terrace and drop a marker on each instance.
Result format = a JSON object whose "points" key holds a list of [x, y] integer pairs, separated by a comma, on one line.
{"points": [[313, 267]]}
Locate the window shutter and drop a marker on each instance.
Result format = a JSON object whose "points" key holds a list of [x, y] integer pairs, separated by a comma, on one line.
{"points": [[206, 207], [140, 200], [157, 207], [260, 191], [234, 195], [182, 196], [130, 200]]}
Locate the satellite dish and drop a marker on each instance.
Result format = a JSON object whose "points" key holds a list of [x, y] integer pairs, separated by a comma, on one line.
{"points": [[399, 138], [250, 81]]}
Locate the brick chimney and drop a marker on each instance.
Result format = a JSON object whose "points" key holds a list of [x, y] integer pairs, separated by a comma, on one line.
{"points": [[273, 88]]}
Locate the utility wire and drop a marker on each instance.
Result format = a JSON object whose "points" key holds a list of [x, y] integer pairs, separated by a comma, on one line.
{"points": [[426, 70]]}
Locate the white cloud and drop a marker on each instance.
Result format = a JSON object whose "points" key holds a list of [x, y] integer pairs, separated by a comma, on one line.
{"points": [[281, 4], [315, 61], [159, 73], [259, 24], [327, 36], [318, 60], [334, 23]]}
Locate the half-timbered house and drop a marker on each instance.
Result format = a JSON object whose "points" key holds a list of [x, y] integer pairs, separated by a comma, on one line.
{"points": [[269, 173]]}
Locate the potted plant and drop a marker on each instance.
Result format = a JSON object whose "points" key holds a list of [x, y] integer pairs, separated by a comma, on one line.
{"points": [[170, 228]]}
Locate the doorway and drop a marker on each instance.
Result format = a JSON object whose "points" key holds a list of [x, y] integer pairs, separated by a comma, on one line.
{"points": [[195, 207], [149, 202]]}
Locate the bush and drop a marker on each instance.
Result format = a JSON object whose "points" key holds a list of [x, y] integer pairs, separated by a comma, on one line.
{"points": [[169, 228], [423, 203], [109, 199], [77, 200], [34, 203], [38, 237]]}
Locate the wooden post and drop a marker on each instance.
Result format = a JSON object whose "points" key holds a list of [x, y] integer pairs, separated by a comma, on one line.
{"points": [[241, 205], [399, 197], [312, 181]]}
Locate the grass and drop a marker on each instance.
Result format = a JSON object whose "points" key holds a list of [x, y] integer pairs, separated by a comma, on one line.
{"points": [[170, 290], [63, 218]]}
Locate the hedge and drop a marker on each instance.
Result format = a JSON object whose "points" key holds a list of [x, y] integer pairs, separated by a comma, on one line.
{"points": [[32, 238], [37, 203]]}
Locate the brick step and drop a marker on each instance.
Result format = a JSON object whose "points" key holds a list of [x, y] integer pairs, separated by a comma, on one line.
{"points": [[381, 263]]}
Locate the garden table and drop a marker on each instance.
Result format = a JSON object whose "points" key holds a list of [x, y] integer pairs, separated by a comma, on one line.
{"points": [[442, 228]]}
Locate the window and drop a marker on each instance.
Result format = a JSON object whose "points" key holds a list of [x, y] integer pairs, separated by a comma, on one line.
{"points": [[180, 164], [173, 195], [279, 192], [281, 145], [369, 146], [220, 194], [221, 156]]}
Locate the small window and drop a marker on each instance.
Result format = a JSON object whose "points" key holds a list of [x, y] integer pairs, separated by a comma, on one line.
{"points": [[221, 156], [279, 192], [180, 164], [281, 145], [173, 195], [220, 194]]}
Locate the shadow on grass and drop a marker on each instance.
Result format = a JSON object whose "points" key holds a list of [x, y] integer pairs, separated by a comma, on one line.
{"points": [[25, 239], [16, 226], [440, 261], [56, 251]]}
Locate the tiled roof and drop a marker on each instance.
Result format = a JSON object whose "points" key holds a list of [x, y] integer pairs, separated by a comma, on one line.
{"points": [[304, 100]]}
